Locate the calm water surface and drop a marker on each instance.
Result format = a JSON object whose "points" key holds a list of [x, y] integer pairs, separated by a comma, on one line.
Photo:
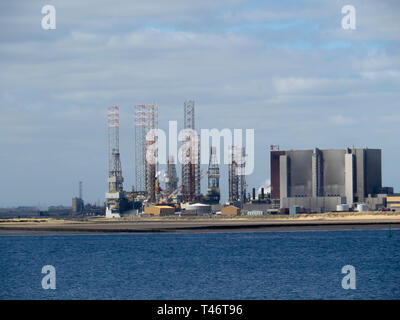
{"points": [[259, 265]]}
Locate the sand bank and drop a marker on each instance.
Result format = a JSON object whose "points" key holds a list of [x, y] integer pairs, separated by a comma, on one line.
{"points": [[334, 221]]}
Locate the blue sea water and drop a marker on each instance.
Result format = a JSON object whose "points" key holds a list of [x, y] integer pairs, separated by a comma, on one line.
{"points": [[259, 265]]}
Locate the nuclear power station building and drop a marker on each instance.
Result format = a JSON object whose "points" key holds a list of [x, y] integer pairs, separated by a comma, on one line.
{"points": [[319, 180]]}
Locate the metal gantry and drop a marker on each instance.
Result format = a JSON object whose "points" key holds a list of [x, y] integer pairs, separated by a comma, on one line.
{"points": [[171, 180], [191, 165], [146, 119], [115, 179], [213, 192], [237, 177]]}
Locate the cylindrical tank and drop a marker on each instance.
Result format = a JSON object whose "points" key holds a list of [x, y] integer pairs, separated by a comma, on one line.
{"points": [[199, 208], [342, 207], [362, 207]]}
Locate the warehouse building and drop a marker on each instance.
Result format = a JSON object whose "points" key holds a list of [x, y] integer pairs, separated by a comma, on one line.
{"points": [[159, 210], [320, 180], [393, 202], [230, 211]]}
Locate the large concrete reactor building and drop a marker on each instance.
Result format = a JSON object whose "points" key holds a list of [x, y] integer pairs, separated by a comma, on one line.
{"points": [[319, 180]]}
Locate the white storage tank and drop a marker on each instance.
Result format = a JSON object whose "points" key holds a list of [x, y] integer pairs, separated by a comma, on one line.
{"points": [[342, 208], [362, 207], [199, 208]]}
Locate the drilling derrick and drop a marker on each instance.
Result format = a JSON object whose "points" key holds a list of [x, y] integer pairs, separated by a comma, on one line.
{"points": [[237, 177], [115, 179], [191, 163], [213, 193], [146, 119], [171, 180], [233, 178]]}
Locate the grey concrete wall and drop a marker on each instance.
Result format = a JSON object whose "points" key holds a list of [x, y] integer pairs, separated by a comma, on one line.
{"points": [[373, 171], [317, 173], [300, 173], [349, 178], [360, 175], [284, 176], [333, 171]]}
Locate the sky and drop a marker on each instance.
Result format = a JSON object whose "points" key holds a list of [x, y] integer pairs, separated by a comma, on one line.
{"points": [[286, 69]]}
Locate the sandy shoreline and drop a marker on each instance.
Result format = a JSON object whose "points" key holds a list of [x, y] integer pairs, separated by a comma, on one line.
{"points": [[196, 225]]}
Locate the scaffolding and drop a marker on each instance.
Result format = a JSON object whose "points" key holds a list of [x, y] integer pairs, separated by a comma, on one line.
{"points": [[191, 164], [146, 119], [237, 177]]}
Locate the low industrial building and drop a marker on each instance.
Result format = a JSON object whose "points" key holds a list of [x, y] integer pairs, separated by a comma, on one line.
{"points": [[230, 211], [376, 202], [313, 204], [258, 206], [255, 213], [295, 210], [77, 205], [159, 210], [393, 202]]}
